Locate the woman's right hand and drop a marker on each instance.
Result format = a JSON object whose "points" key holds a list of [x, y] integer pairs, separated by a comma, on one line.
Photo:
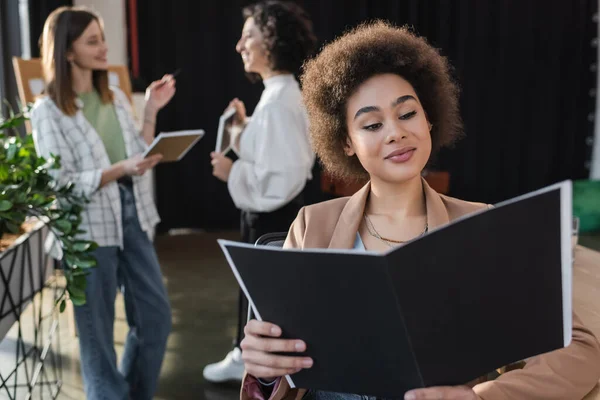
{"points": [[261, 342], [240, 112], [137, 165]]}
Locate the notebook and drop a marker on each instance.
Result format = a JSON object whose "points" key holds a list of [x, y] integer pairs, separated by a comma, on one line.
{"points": [[174, 145], [487, 290]]}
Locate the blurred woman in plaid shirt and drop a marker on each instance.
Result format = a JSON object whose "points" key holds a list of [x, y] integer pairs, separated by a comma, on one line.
{"points": [[90, 126]]}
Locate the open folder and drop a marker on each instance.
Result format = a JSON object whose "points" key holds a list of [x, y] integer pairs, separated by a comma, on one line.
{"points": [[487, 290], [174, 145]]}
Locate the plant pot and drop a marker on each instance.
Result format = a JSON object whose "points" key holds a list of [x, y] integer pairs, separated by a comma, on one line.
{"points": [[7, 240]]}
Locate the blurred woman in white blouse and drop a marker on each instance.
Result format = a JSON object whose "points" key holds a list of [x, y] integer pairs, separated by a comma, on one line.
{"points": [[275, 156]]}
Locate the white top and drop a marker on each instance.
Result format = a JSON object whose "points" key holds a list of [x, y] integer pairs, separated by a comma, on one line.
{"points": [[275, 156], [358, 243]]}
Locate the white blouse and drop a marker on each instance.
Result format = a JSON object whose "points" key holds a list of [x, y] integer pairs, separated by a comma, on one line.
{"points": [[275, 156]]}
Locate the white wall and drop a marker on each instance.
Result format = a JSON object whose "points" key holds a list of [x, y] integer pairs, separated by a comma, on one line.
{"points": [[115, 27]]}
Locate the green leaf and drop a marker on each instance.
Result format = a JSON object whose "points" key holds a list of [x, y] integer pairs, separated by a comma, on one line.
{"points": [[38, 199], [24, 152], [82, 246], [63, 305], [76, 292], [78, 301], [77, 295], [80, 261], [5, 205], [21, 197], [12, 228], [63, 225], [87, 262], [11, 151], [3, 172], [80, 281], [13, 122], [71, 260]]}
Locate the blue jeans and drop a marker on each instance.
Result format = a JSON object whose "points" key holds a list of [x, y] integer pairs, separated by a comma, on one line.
{"points": [[136, 270]]}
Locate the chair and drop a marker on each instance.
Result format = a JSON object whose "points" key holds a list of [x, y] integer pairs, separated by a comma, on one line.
{"points": [[30, 78], [275, 239]]}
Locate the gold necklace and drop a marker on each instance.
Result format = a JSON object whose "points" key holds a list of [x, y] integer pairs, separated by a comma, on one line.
{"points": [[373, 232]]}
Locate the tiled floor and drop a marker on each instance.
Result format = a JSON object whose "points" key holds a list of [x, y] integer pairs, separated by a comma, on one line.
{"points": [[203, 296]]}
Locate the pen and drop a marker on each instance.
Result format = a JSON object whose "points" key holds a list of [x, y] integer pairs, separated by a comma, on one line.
{"points": [[174, 74]]}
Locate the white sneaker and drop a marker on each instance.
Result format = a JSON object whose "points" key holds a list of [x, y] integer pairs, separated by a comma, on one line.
{"points": [[229, 369]]}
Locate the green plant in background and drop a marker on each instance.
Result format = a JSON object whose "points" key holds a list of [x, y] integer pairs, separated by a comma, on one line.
{"points": [[28, 190]]}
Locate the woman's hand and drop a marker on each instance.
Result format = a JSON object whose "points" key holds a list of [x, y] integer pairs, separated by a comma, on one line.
{"points": [[221, 166], [259, 345], [159, 93], [240, 112], [442, 393], [137, 166]]}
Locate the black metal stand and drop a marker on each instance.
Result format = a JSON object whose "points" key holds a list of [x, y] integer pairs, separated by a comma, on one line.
{"points": [[27, 279]]}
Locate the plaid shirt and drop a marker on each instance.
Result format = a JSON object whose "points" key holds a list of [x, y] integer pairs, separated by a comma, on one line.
{"points": [[83, 158]]}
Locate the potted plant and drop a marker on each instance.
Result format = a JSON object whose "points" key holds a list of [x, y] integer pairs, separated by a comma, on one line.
{"points": [[27, 190]]}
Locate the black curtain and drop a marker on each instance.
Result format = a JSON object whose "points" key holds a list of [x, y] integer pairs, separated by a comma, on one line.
{"points": [[526, 69], [38, 12]]}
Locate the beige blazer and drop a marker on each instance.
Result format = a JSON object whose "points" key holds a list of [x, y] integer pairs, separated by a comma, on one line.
{"points": [[565, 374]]}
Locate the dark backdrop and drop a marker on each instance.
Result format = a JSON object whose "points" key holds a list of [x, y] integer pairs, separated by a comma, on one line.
{"points": [[526, 69], [38, 12]]}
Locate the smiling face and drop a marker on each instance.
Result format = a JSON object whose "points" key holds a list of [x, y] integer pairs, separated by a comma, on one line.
{"points": [[89, 50], [251, 47], [387, 129]]}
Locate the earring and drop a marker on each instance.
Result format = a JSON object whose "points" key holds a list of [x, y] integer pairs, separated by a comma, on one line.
{"points": [[430, 126]]}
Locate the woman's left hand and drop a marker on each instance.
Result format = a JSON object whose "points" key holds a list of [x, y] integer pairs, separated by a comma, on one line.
{"points": [[221, 166], [442, 393], [159, 93]]}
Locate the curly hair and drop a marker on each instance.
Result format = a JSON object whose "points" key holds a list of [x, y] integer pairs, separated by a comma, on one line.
{"points": [[287, 31], [372, 49]]}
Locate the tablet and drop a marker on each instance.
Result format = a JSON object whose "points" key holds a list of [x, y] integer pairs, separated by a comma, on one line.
{"points": [[174, 145], [224, 134]]}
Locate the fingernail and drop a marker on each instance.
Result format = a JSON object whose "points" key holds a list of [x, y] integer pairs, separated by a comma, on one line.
{"points": [[410, 396], [299, 346], [307, 363], [275, 331]]}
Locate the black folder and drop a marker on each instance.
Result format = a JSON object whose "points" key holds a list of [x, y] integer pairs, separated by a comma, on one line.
{"points": [[487, 290]]}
